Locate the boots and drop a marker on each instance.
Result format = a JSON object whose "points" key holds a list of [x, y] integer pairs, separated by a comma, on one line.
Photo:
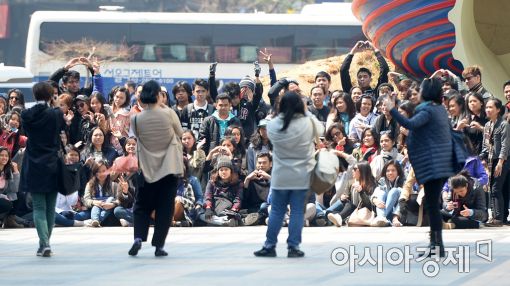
{"points": [[436, 241], [10, 222]]}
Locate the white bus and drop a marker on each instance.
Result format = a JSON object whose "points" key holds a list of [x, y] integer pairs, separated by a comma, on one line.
{"points": [[169, 47]]}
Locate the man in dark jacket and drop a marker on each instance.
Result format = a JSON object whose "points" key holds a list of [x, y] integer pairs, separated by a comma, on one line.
{"points": [[71, 78], [213, 127], [246, 102], [467, 207], [364, 75], [257, 185]]}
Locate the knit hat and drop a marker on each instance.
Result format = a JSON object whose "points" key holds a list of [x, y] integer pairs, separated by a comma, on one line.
{"points": [[224, 161], [247, 82]]}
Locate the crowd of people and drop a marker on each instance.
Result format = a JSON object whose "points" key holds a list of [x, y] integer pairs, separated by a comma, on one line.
{"points": [[229, 136]]}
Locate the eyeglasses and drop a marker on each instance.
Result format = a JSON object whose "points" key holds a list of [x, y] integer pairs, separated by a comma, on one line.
{"points": [[336, 134], [14, 97], [467, 78]]}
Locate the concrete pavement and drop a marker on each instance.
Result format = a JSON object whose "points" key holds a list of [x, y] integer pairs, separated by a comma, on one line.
{"points": [[223, 256]]}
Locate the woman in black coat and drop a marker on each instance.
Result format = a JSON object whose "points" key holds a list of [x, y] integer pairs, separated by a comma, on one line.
{"points": [[39, 174]]}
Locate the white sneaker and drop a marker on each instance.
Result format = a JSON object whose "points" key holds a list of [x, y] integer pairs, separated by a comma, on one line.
{"points": [[380, 222], [78, 223], [336, 219], [124, 222], [87, 223]]}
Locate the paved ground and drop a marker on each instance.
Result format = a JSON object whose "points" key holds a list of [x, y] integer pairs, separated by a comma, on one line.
{"points": [[223, 256]]}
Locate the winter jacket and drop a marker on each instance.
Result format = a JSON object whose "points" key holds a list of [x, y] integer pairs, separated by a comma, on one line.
{"points": [[429, 142], [210, 130], [293, 151], [500, 137], [475, 200], [231, 192], [42, 124]]}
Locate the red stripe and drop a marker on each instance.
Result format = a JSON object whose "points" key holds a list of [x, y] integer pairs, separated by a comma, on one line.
{"points": [[395, 40], [383, 29], [355, 6], [378, 12], [411, 48], [438, 59], [452, 66], [423, 57]]}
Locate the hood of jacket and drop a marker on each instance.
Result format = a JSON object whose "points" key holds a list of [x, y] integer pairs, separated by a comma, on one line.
{"points": [[35, 117], [217, 116]]}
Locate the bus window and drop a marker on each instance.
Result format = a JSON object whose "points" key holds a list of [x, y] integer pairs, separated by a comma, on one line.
{"points": [[170, 52], [226, 54], [248, 54], [281, 55], [199, 54]]}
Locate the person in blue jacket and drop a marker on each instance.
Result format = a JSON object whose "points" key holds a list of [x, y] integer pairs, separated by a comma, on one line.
{"points": [[430, 151]]}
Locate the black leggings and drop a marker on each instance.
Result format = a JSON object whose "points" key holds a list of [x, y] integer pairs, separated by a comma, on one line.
{"points": [[432, 204]]}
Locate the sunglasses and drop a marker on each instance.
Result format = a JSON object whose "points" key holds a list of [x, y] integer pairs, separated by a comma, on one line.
{"points": [[13, 97], [468, 78]]}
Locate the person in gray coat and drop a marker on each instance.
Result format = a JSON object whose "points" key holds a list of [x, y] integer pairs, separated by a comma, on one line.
{"points": [[430, 151], [292, 134]]}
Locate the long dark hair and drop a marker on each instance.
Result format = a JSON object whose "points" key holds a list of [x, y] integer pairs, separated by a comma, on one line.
{"points": [[350, 107], [479, 97], [102, 100], [194, 147], [93, 182], [7, 171], [257, 141], [240, 147], [290, 105], [366, 179]]}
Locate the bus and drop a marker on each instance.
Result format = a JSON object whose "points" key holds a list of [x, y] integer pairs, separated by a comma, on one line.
{"points": [[169, 47]]}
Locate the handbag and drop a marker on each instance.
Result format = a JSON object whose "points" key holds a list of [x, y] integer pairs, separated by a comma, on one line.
{"points": [[326, 168], [360, 217], [138, 178], [460, 153]]}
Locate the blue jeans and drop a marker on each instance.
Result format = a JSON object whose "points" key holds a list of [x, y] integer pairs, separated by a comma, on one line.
{"points": [[123, 213], [100, 214], [390, 199], [279, 201], [62, 220], [322, 211]]}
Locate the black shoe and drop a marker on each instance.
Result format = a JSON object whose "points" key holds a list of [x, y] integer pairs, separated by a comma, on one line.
{"points": [[265, 252], [436, 243], [46, 252], [39, 251], [160, 252], [294, 253], [136, 246]]}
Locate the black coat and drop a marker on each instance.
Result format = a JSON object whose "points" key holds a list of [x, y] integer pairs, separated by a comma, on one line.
{"points": [[42, 126]]}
